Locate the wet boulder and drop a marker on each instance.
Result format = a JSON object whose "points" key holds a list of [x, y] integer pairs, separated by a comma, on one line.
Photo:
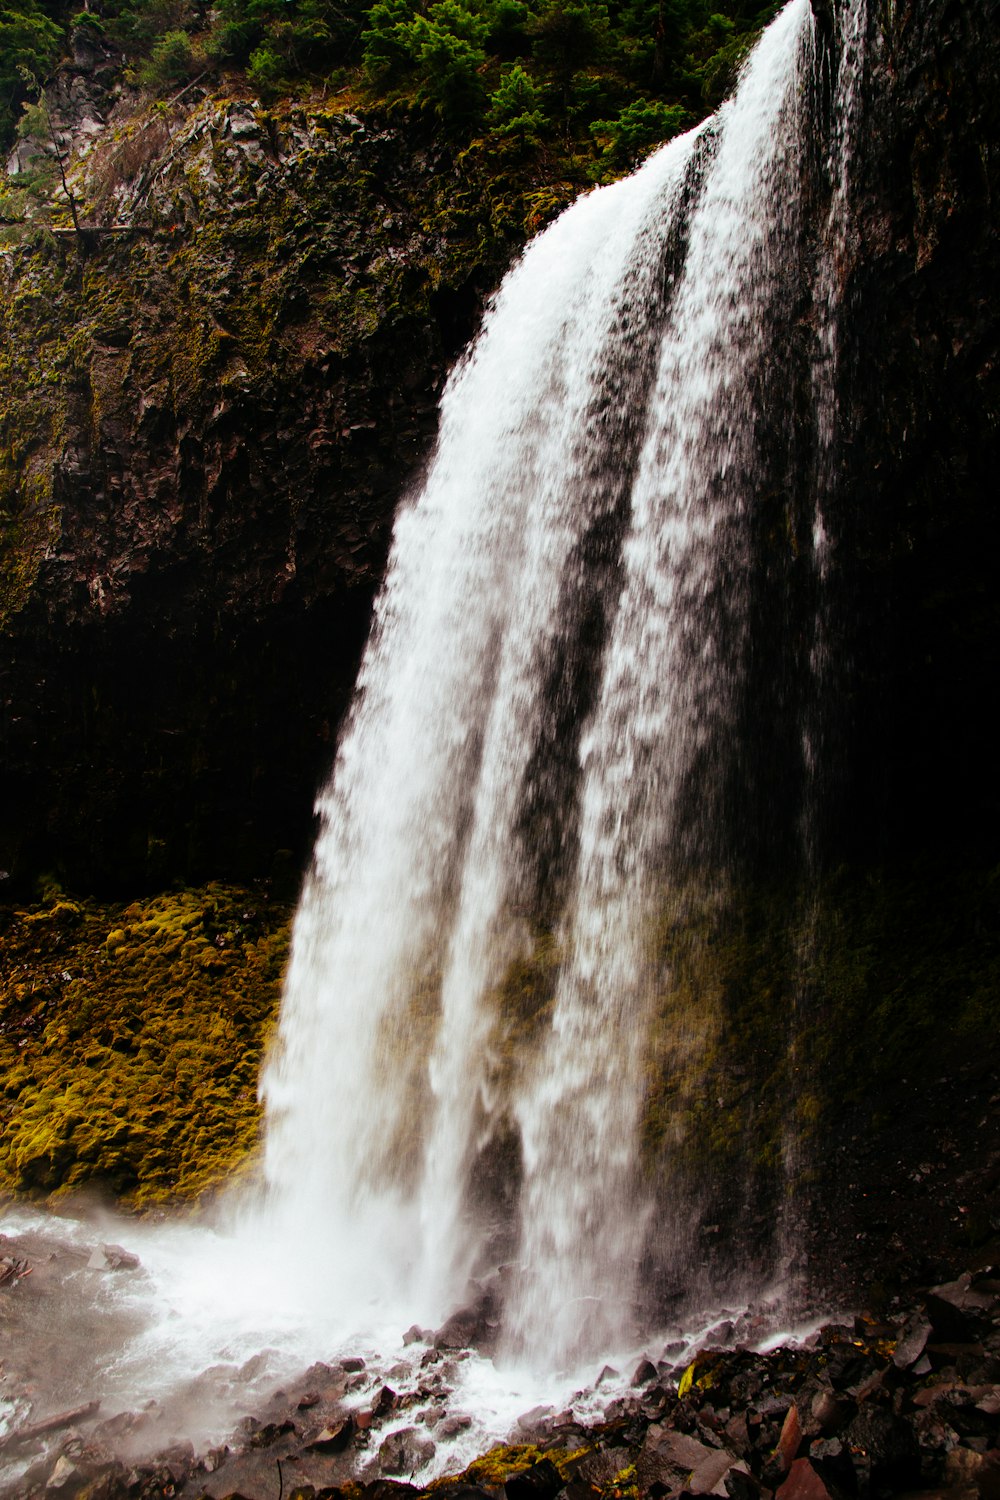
{"points": [[790, 1440], [976, 1473], [541, 1482], [831, 1413], [709, 1477], [334, 1437], [451, 1426], [474, 1326], [884, 1449], [805, 1482], [405, 1451], [950, 1323], [912, 1342], [385, 1402], [388, 1489]]}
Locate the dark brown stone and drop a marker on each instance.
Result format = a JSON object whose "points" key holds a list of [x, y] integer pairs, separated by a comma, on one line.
{"points": [[334, 1437], [804, 1483], [790, 1440], [541, 1482], [831, 1412]]}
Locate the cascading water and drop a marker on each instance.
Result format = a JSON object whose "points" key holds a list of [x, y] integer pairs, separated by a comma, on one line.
{"points": [[673, 654], [422, 872], [546, 733], [590, 706]]}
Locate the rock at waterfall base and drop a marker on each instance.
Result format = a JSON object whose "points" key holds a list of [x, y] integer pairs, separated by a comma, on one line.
{"points": [[405, 1452]]}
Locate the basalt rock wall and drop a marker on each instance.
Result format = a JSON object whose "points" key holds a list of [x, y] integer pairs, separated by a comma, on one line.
{"points": [[916, 511], [212, 400]]}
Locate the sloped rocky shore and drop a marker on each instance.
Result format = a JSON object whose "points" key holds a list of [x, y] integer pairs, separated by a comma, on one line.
{"points": [[907, 1401]]}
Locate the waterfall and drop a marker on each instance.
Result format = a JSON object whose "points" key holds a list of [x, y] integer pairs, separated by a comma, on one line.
{"points": [[550, 732], [665, 699]]}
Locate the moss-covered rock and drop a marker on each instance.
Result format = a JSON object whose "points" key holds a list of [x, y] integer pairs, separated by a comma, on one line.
{"points": [[130, 1040], [803, 1039], [495, 1468]]}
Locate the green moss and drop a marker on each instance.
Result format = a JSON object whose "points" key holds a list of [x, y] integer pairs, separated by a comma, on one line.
{"points": [[625, 1485], [494, 1468], [39, 357], [29, 522], [521, 1004], [130, 1040]]}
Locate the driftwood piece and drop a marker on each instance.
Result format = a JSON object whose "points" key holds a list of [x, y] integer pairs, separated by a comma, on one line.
{"points": [[59, 1419]]}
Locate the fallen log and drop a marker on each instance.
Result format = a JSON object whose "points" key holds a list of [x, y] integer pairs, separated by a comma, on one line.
{"points": [[59, 1419]]}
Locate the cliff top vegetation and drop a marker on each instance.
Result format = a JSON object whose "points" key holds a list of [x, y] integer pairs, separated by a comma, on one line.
{"points": [[605, 78]]}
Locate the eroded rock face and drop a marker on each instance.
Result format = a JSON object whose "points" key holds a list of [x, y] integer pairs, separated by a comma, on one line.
{"points": [[915, 514], [212, 402]]}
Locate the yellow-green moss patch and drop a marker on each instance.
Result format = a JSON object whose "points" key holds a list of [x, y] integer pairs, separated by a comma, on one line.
{"points": [[493, 1469], [130, 1040]]}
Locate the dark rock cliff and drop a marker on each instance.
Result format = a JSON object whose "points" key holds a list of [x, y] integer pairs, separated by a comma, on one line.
{"points": [[209, 415], [917, 511]]}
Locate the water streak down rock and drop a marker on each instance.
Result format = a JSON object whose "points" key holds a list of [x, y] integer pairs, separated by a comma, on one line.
{"points": [[587, 692]]}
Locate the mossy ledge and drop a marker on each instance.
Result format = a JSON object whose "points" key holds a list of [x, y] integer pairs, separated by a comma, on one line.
{"points": [[131, 1038]]}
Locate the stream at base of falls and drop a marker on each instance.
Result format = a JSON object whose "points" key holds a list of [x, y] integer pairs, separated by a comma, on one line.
{"points": [[204, 1331]]}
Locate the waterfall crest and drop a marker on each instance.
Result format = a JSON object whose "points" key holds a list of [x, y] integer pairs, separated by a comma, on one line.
{"points": [[548, 730]]}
